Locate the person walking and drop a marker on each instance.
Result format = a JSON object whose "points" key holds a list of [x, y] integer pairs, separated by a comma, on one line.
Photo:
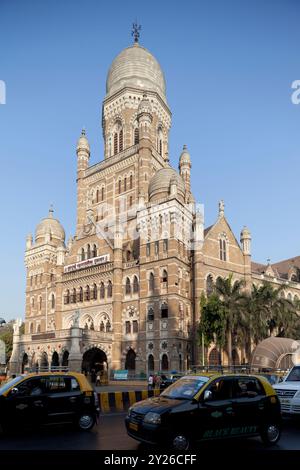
{"points": [[150, 382]]}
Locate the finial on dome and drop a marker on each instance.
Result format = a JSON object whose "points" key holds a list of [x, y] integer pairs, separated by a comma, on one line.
{"points": [[51, 210], [136, 28], [83, 131]]}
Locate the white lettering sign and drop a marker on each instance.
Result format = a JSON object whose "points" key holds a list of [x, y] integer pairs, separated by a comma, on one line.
{"points": [[87, 263]]}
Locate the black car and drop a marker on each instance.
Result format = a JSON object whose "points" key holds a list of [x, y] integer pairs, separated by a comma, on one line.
{"points": [[208, 406], [48, 398]]}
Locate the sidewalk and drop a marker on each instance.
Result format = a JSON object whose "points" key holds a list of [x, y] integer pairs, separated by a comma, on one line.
{"points": [[123, 386]]}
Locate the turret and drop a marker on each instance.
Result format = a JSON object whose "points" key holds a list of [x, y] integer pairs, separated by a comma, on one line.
{"points": [[185, 168], [246, 241], [83, 155], [144, 118]]}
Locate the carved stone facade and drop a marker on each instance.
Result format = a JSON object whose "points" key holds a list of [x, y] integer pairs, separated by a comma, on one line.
{"points": [[140, 258]]}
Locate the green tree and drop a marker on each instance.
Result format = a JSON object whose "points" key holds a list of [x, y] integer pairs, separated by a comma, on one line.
{"points": [[232, 299], [211, 326]]}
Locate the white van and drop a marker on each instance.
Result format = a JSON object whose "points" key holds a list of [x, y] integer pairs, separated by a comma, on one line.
{"points": [[288, 392]]}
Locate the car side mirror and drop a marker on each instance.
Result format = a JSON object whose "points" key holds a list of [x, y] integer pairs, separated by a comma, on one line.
{"points": [[207, 395], [14, 391]]}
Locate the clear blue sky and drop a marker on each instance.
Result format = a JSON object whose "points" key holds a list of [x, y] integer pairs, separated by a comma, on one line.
{"points": [[229, 68]]}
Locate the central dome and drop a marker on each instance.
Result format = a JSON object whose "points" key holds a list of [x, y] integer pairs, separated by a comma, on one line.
{"points": [[135, 67]]}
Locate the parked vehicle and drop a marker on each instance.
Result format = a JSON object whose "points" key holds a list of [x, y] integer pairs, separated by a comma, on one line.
{"points": [[48, 398], [288, 392], [207, 406]]}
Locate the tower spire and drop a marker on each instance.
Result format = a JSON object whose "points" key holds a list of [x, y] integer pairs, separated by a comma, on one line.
{"points": [[136, 28]]}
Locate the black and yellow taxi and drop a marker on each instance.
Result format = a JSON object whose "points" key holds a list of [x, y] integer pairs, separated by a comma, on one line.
{"points": [[207, 406], [48, 398]]}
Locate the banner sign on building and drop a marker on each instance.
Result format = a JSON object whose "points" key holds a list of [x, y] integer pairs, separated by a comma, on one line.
{"points": [[87, 263], [120, 374]]}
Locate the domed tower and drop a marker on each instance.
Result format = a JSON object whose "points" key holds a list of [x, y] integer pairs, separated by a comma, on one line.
{"points": [[134, 72], [42, 260]]}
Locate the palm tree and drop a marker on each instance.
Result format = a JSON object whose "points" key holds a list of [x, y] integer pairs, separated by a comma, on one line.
{"points": [[232, 299]]}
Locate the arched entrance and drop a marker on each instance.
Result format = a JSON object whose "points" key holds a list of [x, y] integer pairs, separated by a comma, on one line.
{"points": [[214, 358], [130, 361], [44, 364], [25, 362], [65, 359], [94, 359], [54, 361], [150, 363], [164, 362]]}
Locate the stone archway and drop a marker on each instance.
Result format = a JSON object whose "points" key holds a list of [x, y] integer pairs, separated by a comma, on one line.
{"points": [[44, 364], [55, 361], [25, 362], [130, 360], [65, 359], [94, 360], [164, 362], [150, 363]]}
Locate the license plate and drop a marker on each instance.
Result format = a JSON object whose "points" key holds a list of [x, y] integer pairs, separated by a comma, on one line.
{"points": [[133, 426], [285, 401]]}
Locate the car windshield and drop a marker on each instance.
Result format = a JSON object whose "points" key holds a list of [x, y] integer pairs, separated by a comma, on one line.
{"points": [[185, 388], [294, 375], [9, 384]]}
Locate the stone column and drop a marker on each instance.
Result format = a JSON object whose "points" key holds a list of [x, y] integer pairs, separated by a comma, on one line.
{"points": [[75, 356], [14, 363]]}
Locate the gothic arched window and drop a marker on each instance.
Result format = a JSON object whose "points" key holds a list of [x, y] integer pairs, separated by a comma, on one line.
{"points": [[52, 301], [87, 293], [109, 289], [82, 254], [150, 315], [80, 297], [209, 285], [125, 183], [135, 284], [120, 186], [223, 254], [121, 140], [95, 292], [165, 277], [130, 181], [127, 286], [164, 311], [88, 251], [94, 254], [102, 290], [115, 143], [136, 136], [151, 282], [102, 193], [97, 195]]}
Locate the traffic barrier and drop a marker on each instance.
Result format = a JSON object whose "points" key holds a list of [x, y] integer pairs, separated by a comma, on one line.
{"points": [[121, 401]]}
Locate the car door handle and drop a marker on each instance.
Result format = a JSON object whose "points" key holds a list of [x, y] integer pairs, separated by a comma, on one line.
{"points": [[72, 399]]}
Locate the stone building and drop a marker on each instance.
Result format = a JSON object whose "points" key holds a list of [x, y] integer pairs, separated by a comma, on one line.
{"points": [[124, 291]]}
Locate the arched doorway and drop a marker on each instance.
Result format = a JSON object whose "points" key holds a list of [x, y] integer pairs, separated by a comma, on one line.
{"points": [[130, 362], [54, 361], [164, 362], [214, 358], [25, 362], [94, 360], [65, 359], [150, 363], [44, 364], [235, 357]]}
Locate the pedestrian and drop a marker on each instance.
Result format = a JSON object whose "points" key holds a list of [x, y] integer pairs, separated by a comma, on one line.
{"points": [[150, 382], [158, 381], [98, 380]]}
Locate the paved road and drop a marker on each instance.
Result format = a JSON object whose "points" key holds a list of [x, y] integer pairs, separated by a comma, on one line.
{"points": [[110, 434]]}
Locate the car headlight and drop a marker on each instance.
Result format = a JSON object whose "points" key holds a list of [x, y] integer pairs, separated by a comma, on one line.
{"points": [[152, 418], [129, 411], [297, 395]]}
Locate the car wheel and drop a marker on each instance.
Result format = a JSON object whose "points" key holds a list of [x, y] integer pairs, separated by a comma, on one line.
{"points": [[271, 434], [180, 441], [85, 422]]}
